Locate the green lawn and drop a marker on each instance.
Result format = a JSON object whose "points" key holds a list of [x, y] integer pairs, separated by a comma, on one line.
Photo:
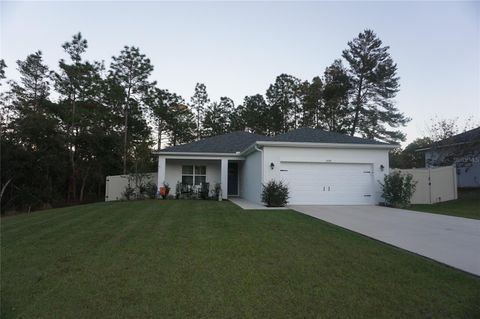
{"points": [[205, 259], [467, 205]]}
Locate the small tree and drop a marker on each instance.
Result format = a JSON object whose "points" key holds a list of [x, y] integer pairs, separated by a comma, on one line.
{"points": [[275, 194], [398, 189]]}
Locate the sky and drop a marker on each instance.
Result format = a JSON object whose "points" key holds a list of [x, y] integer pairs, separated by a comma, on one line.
{"points": [[238, 48]]}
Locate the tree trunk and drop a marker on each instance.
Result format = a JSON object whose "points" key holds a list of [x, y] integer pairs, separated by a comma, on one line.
{"points": [[198, 123], [357, 107], [159, 145], [82, 189], [73, 179], [125, 135], [3, 190]]}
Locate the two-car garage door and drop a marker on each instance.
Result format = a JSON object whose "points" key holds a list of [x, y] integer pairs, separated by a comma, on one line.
{"points": [[328, 183]]}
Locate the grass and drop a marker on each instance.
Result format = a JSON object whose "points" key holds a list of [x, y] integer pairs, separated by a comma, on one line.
{"points": [[205, 259], [467, 205]]}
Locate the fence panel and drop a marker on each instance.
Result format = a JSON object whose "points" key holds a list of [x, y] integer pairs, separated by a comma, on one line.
{"points": [[115, 185], [443, 184], [434, 185]]}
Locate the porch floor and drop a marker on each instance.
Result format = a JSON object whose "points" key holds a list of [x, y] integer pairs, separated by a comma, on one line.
{"points": [[245, 204]]}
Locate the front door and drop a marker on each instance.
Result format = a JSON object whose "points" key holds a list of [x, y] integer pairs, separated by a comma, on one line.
{"points": [[232, 179]]}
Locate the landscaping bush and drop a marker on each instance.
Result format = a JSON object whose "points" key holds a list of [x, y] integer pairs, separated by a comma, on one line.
{"points": [[129, 192], [275, 194], [151, 190], [217, 190], [398, 189], [139, 188]]}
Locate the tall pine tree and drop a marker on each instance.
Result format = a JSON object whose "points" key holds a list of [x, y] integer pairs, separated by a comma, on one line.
{"points": [[217, 117], [257, 117], [311, 99], [283, 98], [199, 101], [337, 113], [131, 70], [375, 84]]}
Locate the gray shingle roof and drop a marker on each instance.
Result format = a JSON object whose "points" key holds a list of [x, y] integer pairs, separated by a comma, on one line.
{"points": [[465, 137], [239, 141], [319, 136], [227, 143]]}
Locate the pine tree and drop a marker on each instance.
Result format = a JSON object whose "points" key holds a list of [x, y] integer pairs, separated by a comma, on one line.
{"points": [[217, 117], [131, 70], [3, 109], [375, 84], [256, 115], [69, 84], [283, 97], [236, 120], [3, 66], [34, 86], [311, 99], [162, 104], [182, 126], [337, 113], [199, 101], [33, 142]]}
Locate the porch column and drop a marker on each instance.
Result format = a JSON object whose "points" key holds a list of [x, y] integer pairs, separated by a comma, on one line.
{"points": [[224, 178], [161, 171]]}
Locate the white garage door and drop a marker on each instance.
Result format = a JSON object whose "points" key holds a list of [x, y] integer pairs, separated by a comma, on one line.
{"points": [[328, 183]]}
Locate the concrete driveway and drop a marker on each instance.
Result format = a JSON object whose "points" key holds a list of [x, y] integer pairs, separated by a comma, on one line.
{"points": [[450, 240]]}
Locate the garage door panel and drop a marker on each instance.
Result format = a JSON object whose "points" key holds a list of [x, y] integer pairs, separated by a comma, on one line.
{"points": [[328, 184]]}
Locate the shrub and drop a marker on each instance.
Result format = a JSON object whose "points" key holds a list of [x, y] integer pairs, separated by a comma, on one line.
{"points": [[217, 190], [178, 190], [275, 194], [129, 192], [151, 190], [398, 189]]}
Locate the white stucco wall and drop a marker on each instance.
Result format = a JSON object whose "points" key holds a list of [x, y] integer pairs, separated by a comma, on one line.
{"points": [[376, 157], [173, 173], [251, 177]]}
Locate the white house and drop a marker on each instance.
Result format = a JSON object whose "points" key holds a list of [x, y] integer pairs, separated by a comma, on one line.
{"points": [[319, 167]]}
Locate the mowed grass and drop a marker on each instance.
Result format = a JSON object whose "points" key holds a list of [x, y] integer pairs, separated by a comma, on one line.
{"points": [[205, 259], [467, 205]]}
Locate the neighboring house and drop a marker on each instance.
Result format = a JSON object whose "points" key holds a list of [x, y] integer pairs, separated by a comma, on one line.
{"points": [[319, 167], [461, 150]]}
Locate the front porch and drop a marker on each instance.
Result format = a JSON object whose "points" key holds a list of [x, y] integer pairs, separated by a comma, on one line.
{"points": [[201, 173]]}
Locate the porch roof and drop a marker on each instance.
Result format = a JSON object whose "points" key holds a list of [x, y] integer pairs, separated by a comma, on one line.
{"points": [[227, 144]]}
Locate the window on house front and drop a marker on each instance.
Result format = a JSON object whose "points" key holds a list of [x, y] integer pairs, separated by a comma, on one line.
{"points": [[194, 174]]}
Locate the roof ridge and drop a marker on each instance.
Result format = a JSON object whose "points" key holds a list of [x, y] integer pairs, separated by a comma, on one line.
{"points": [[327, 136]]}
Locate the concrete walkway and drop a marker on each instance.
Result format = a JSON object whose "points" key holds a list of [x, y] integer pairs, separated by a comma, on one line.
{"points": [[245, 204], [454, 241]]}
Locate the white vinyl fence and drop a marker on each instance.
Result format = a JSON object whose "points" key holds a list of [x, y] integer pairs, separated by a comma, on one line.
{"points": [[434, 185], [115, 185]]}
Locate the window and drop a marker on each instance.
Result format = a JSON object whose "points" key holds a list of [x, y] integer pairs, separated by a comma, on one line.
{"points": [[194, 175]]}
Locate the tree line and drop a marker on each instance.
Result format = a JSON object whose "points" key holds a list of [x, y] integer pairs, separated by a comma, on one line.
{"points": [[64, 130]]}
